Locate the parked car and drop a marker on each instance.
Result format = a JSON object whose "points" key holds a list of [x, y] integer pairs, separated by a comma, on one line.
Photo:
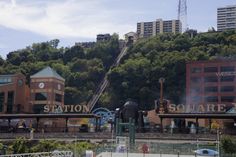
{"points": [[206, 152]]}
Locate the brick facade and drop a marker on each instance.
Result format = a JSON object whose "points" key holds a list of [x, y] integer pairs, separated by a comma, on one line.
{"points": [[14, 94]]}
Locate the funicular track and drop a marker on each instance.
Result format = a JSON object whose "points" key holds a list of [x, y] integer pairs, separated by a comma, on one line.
{"points": [[102, 86]]}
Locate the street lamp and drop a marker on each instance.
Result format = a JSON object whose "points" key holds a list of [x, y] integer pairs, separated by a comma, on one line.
{"points": [[161, 81], [110, 121], [218, 141]]}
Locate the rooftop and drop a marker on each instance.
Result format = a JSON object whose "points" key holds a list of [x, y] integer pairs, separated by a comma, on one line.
{"points": [[212, 61], [47, 72]]}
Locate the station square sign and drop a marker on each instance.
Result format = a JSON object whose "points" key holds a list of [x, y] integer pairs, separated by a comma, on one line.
{"points": [[198, 108], [66, 109]]}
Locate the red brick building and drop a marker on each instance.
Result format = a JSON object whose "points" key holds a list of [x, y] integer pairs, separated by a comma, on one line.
{"points": [[14, 94], [211, 82], [46, 88]]}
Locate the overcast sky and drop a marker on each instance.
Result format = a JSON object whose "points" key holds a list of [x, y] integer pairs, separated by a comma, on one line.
{"points": [[23, 22]]}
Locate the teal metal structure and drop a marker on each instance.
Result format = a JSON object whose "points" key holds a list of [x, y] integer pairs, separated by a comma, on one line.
{"points": [[130, 126]]}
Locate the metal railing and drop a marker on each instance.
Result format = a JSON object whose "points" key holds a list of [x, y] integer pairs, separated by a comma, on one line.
{"points": [[156, 149], [42, 154]]}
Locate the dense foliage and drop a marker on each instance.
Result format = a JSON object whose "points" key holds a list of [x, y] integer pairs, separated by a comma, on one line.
{"points": [[228, 144], [164, 56], [82, 68], [138, 74], [23, 145]]}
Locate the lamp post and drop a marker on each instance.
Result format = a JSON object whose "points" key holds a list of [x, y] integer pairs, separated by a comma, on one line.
{"points": [[218, 141], [161, 81], [110, 121]]}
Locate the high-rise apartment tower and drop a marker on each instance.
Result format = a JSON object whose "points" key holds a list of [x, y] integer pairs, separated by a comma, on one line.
{"points": [[226, 18], [147, 29]]}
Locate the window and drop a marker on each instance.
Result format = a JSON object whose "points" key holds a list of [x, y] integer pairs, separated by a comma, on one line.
{"points": [[210, 69], [227, 89], [1, 101], [211, 79], [227, 78], [205, 152], [211, 89], [195, 90], [227, 99], [196, 99], [211, 99], [41, 96], [195, 79], [10, 102], [196, 70], [227, 69], [58, 98], [4, 80]]}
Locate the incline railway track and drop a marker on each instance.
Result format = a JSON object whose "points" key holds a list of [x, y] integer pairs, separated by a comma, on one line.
{"points": [[102, 86]]}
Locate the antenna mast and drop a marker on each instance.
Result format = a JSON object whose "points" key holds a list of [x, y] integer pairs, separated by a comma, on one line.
{"points": [[182, 14]]}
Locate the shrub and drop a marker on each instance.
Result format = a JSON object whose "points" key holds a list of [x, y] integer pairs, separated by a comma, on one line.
{"points": [[228, 145]]}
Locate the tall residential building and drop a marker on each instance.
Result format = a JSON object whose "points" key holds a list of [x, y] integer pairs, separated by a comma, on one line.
{"points": [[147, 29], [226, 18]]}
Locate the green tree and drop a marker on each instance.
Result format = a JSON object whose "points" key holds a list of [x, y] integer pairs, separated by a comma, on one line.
{"points": [[54, 43], [19, 146], [2, 61], [72, 95], [228, 145], [45, 146], [136, 77], [73, 52], [14, 58], [1, 146], [79, 148], [105, 51]]}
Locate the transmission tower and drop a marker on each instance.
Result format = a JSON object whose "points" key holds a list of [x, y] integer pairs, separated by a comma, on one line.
{"points": [[182, 14]]}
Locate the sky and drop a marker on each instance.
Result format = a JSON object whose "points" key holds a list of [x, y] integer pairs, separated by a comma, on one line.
{"points": [[23, 22]]}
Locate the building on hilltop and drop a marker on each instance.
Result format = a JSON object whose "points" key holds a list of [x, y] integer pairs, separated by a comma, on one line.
{"points": [[131, 37], [14, 94], [148, 29], [103, 37], [226, 18], [46, 88]]}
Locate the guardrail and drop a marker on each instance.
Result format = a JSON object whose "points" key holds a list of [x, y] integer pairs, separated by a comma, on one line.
{"points": [[42, 154]]}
